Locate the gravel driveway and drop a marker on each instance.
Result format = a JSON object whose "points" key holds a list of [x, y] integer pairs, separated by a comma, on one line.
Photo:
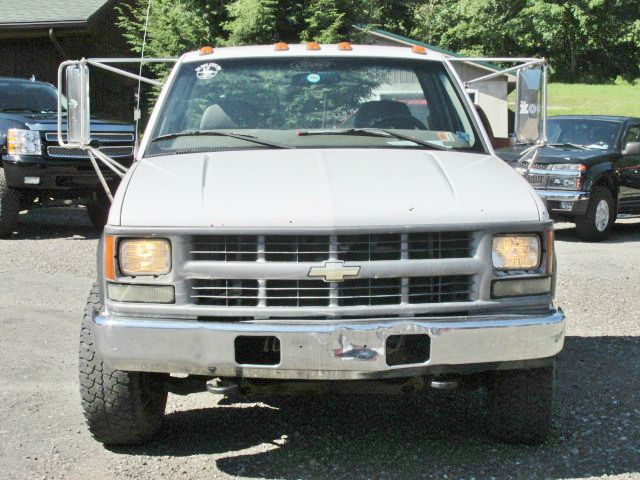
{"points": [[45, 275]]}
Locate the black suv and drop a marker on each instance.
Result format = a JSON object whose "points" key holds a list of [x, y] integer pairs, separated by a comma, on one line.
{"points": [[589, 173], [35, 167]]}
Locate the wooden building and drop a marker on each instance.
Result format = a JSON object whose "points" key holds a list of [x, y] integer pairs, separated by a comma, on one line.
{"points": [[37, 35]]}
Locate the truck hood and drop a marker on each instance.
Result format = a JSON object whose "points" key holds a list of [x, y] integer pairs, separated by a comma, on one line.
{"points": [[559, 155], [49, 122], [329, 188]]}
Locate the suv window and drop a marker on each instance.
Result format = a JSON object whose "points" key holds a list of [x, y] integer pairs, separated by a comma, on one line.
{"points": [[27, 96], [632, 135], [590, 133], [276, 98]]}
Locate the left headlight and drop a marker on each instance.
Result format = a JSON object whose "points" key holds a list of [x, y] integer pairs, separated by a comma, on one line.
{"points": [[516, 252], [566, 176], [23, 142], [144, 256]]}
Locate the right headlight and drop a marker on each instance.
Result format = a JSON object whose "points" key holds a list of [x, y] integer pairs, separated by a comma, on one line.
{"points": [[516, 252], [23, 142], [144, 256]]}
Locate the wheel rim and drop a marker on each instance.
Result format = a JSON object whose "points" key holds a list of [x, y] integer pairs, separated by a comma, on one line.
{"points": [[602, 215]]}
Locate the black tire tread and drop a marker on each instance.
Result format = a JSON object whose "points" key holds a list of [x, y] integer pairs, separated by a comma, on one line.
{"points": [[10, 200], [98, 212], [521, 405], [111, 399], [585, 224]]}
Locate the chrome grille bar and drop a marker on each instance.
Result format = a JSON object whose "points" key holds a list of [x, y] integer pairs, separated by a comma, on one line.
{"points": [[315, 293], [348, 248]]}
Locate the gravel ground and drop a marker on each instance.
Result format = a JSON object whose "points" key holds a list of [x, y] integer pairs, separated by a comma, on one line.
{"points": [[46, 271]]}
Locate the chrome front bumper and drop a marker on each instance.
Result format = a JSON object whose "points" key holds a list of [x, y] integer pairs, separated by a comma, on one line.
{"points": [[324, 351], [563, 195], [565, 202]]}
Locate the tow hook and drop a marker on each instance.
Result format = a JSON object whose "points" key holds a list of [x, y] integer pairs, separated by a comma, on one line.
{"points": [[444, 383], [222, 387]]}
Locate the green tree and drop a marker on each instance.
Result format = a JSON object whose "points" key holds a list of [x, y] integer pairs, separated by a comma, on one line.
{"points": [[251, 22]]}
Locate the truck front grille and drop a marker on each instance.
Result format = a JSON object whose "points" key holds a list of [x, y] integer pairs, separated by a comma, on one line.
{"points": [[317, 248], [316, 293], [62, 152], [536, 180], [107, 137], [113, 144]]}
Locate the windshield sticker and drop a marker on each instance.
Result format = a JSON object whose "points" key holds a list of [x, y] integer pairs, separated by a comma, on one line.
{"points": [[207, 70], [445, 136], [464, 136], [313, 78]]}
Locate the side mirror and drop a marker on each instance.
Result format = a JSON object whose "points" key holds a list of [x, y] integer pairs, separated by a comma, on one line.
{"points": [[530, 106], [631, 148], [78, 114]]}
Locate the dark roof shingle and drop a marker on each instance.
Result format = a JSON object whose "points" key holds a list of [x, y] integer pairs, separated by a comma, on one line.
{"points": [[48, 11]]}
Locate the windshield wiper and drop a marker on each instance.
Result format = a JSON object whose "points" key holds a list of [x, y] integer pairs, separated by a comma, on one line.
{"points": [[372, 132], [217, 133], [570, 145]]}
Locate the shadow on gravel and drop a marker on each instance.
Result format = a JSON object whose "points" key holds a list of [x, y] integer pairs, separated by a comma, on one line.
{"points": [[596, 430], [55, 222], [628, 231]]}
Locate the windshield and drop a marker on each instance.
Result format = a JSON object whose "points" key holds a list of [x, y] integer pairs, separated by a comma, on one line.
{"points": [[312, 103], [589, 133], [24, 96]]}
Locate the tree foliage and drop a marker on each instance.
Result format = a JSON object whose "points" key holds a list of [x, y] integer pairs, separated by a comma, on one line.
{"points": [[585, 40]]}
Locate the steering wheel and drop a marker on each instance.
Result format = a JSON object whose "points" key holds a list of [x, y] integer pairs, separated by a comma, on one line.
{"points": [[404, 122]]}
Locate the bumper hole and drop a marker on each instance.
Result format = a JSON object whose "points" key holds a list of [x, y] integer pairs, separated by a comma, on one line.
{"points": [[407, 349], [257, 350]]}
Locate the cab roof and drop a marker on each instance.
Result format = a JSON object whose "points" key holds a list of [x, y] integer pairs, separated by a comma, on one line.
{"points": [[609, 118], [22, 80], [300, 50]]}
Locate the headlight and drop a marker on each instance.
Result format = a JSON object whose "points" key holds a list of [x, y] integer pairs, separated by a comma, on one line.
{"points": [[516, 252], [565, 183], [145, 256], [566, 176], [23, 142]]}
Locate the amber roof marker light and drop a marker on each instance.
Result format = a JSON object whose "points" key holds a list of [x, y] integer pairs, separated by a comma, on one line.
{"points": [[206, 50], [281, 47], [313, 46], [419, 49], [344, 46]]}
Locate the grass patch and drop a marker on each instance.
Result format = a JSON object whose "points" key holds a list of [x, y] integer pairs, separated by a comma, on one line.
{"points": [[620, 98]]}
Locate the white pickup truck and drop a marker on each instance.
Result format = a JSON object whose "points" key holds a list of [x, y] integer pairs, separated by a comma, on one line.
{"points": [[286, 225]]}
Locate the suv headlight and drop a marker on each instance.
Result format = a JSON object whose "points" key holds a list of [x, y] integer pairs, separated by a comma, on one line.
{"points": [[23, 142], [516, 252], [144, 256], [566, 176]]}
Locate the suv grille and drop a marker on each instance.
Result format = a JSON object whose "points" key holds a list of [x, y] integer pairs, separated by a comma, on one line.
{"points": [[318, 248], [100, 137], [535, 166], [316, 293], [113, 144], [62, 152]]}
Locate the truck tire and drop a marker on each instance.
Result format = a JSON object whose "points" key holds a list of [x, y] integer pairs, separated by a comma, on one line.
{"points": [[521, 404], [595, 225], [9, 207], [120, 408], [98, 211]]}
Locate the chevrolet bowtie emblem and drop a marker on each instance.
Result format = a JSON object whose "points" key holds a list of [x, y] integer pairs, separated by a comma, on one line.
{"points": [[334, 271]]}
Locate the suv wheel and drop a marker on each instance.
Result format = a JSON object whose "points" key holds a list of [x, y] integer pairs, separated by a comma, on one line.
{"points": [[98, 212], [520, 405], [9, 207], [121, 408], [596, 223]]}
